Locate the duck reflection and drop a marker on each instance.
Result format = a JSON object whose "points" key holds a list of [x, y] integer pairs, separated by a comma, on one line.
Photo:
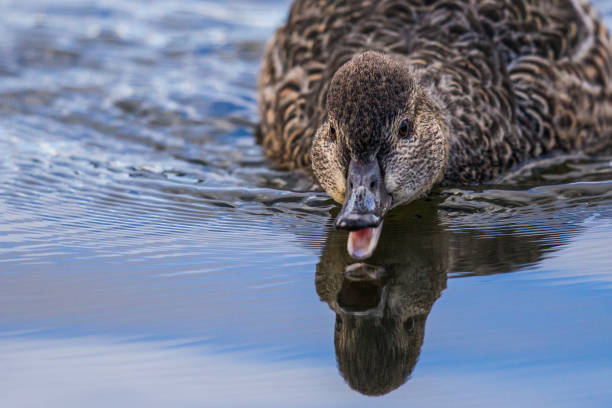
{"points": [[381, 306]]}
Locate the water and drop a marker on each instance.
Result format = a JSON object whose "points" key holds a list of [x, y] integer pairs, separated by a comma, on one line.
{"points": [[149, 255]]}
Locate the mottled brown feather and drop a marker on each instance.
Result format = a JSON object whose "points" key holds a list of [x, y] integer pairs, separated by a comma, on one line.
{"points": [[518, 78]]}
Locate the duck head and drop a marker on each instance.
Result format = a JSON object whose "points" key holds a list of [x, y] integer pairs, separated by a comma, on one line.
{"points": [[384, 142]]}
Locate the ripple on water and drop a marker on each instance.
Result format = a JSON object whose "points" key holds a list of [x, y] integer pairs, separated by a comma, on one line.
{"points": [[135, 204]]}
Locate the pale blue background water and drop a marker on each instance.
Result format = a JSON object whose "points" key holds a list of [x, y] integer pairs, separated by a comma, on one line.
{"points": [[150, 256]]}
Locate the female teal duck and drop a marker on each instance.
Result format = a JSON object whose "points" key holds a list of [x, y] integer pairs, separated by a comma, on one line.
{"points": [[386, 99]]}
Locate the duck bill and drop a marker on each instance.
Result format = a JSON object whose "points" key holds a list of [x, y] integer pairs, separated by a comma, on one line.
{"points": [[365, 204]]}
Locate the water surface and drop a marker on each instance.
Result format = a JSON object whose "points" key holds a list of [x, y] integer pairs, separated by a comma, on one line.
{"points": [[149, 255]]}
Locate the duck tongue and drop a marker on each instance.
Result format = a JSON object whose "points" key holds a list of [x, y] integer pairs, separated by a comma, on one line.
{"points": [[362, 243]]}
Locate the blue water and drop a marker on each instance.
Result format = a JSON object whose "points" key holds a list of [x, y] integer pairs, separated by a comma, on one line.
{"points": [[151, 256]]}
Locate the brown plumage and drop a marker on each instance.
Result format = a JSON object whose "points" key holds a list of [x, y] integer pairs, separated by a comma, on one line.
{"points": [[409, 94], [518, 79]]}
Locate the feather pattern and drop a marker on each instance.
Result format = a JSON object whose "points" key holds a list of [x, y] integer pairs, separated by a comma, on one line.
{"points": [[518, 79]]}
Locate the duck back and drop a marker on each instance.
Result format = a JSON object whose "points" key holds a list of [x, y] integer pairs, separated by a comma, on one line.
{"points": [[517, 79]]}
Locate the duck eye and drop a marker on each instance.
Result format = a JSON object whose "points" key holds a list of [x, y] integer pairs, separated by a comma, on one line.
{"points": [[332, 131], [404, 128]]}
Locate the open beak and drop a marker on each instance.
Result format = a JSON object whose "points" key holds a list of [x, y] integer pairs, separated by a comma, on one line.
{"points": [[366, 202]]}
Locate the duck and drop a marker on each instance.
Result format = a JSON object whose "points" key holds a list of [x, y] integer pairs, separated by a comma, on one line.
{"points": [[382, 101]]}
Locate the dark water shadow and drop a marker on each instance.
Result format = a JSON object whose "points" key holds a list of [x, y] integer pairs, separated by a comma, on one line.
{"points": [[382, 306]]}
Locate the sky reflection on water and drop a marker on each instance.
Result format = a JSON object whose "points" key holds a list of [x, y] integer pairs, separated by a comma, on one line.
{"points": [[150, 255]]}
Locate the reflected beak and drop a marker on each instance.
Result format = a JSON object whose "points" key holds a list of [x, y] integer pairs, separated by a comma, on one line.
{"points": [[363, 290], [365, 204]]}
